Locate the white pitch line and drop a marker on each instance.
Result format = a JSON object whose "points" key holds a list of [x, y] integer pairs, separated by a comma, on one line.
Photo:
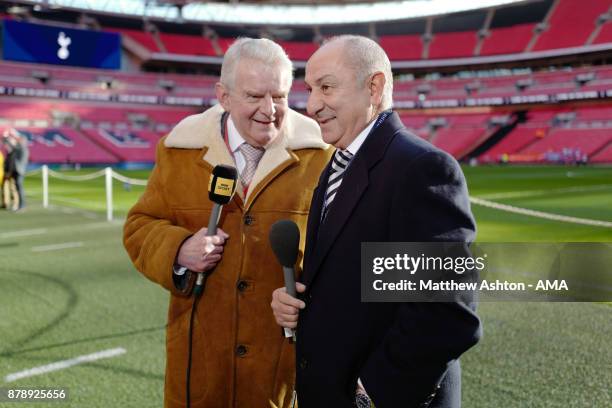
{"points": [[23, 233], [55, 247], [60, 365], [535, 193], [540, 214]]}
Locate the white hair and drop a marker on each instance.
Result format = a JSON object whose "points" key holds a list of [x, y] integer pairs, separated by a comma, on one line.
{"points": [[259, 49], [366, 57]]}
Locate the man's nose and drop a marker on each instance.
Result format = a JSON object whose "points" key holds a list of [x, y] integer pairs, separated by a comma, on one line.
{"points": [[314, 104], [267, 106]]}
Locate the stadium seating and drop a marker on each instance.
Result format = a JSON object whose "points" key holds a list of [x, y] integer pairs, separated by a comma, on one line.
{"points": [[603, 156], [571, 24], [507, 40], [127, 145], [64, 145], [588, 141], [187, 44], [451, 45], [605, 34], [521, 137], [459, 141], [402, 47], [300, 51], [143, 38]]}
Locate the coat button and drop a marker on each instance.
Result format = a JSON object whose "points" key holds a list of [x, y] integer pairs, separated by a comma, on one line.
{"points": [[242, 285], [248, 219], [241, 350], [303, 363]]}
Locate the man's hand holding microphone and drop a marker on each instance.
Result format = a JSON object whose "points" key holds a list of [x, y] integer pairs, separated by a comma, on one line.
{"points": [[286, 308], [202, 252]]}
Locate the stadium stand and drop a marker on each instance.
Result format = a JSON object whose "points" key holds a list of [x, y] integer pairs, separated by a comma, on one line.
{"points": [[521, 137], [451, 45], [298, 50], [571, 24], [127, 145], [142, 38], [187, 44], [507, 40], [63, 145], [458, 142], [603, 156], [605, 33], [587, 141], [121, 114], [402, 47]]}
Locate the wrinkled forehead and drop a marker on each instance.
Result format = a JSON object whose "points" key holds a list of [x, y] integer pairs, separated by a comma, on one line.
{"points": [[257, 75]]}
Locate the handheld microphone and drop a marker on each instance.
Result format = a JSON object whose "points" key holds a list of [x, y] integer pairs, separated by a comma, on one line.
{"points": [[221, 188], [285, 240]]}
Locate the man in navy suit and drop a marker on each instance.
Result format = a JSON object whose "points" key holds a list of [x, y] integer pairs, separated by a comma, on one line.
{"points": [[383, 185]]}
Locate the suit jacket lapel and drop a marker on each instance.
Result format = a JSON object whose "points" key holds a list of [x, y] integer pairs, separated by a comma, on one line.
{"points": [[354, 183], [314, 216], [321, 236]]}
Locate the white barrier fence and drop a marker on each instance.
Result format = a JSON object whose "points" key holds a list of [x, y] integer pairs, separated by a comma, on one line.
{"points": [[108, 173]]}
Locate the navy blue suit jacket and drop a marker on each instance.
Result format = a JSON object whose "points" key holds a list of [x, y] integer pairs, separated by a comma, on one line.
{"points": [[398, 188]]}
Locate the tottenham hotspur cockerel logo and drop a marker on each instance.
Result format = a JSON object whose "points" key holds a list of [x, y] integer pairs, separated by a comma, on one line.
{"points": [[63, 42]]}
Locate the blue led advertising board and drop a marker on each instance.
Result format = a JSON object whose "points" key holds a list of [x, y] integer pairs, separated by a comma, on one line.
{"points": [[59, 45]]}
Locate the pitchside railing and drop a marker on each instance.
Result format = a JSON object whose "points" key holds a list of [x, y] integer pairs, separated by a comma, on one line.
{"points": [[108, 173]]}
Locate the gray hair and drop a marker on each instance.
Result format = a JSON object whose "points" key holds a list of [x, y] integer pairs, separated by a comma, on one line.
{"points": [[260, 49], [367, 57]]}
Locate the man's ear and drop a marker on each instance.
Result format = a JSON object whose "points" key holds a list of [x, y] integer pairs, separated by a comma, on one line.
{"points": [[223, 96], [377, 86]]}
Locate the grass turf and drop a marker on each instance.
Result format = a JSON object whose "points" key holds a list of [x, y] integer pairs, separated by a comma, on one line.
{"points": [[59, 304]]}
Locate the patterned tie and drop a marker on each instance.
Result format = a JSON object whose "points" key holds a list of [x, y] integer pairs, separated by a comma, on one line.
{"points": [[252, 155], [339, 163]]}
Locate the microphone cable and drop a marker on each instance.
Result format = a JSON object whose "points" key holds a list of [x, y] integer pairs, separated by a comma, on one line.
{"points": [[197, 292]]}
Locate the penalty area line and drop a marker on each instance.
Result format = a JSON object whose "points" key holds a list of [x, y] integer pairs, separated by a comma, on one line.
{"points": [[60, 365]]}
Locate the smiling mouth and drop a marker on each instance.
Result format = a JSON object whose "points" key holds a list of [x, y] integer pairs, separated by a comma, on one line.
{"points": [[324, 121], [263, 123]]}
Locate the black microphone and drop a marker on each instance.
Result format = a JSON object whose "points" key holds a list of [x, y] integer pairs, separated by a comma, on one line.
{"points": [[285, 240], [221, 188]]}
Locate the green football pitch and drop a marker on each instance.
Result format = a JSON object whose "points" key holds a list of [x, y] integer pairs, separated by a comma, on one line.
{"points": [[68, 290]]}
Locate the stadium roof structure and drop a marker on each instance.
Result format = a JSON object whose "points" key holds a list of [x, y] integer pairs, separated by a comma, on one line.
{"points": [[288, 12]]}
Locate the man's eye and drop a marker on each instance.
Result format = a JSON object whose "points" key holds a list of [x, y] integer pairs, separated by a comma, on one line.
{"points": [[325, 88]]}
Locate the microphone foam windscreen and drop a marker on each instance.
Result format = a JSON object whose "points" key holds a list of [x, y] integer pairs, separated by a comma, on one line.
{"points": [[285, 240], [222, 184]]}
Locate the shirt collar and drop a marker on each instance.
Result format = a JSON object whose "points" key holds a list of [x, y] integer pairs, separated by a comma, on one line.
{"points": [[353, 148], [233, 136]]}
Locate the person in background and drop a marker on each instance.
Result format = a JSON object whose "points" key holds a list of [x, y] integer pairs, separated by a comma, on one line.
{"points": [[2, 205], [10, 195], [19, 148]]}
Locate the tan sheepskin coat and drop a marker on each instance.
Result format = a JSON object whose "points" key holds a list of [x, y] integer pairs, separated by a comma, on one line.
{"points": [[240, 359]]}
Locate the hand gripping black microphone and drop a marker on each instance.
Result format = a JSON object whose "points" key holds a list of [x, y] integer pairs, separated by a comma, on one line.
{"points": [[285, 240], [221, 188]]}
